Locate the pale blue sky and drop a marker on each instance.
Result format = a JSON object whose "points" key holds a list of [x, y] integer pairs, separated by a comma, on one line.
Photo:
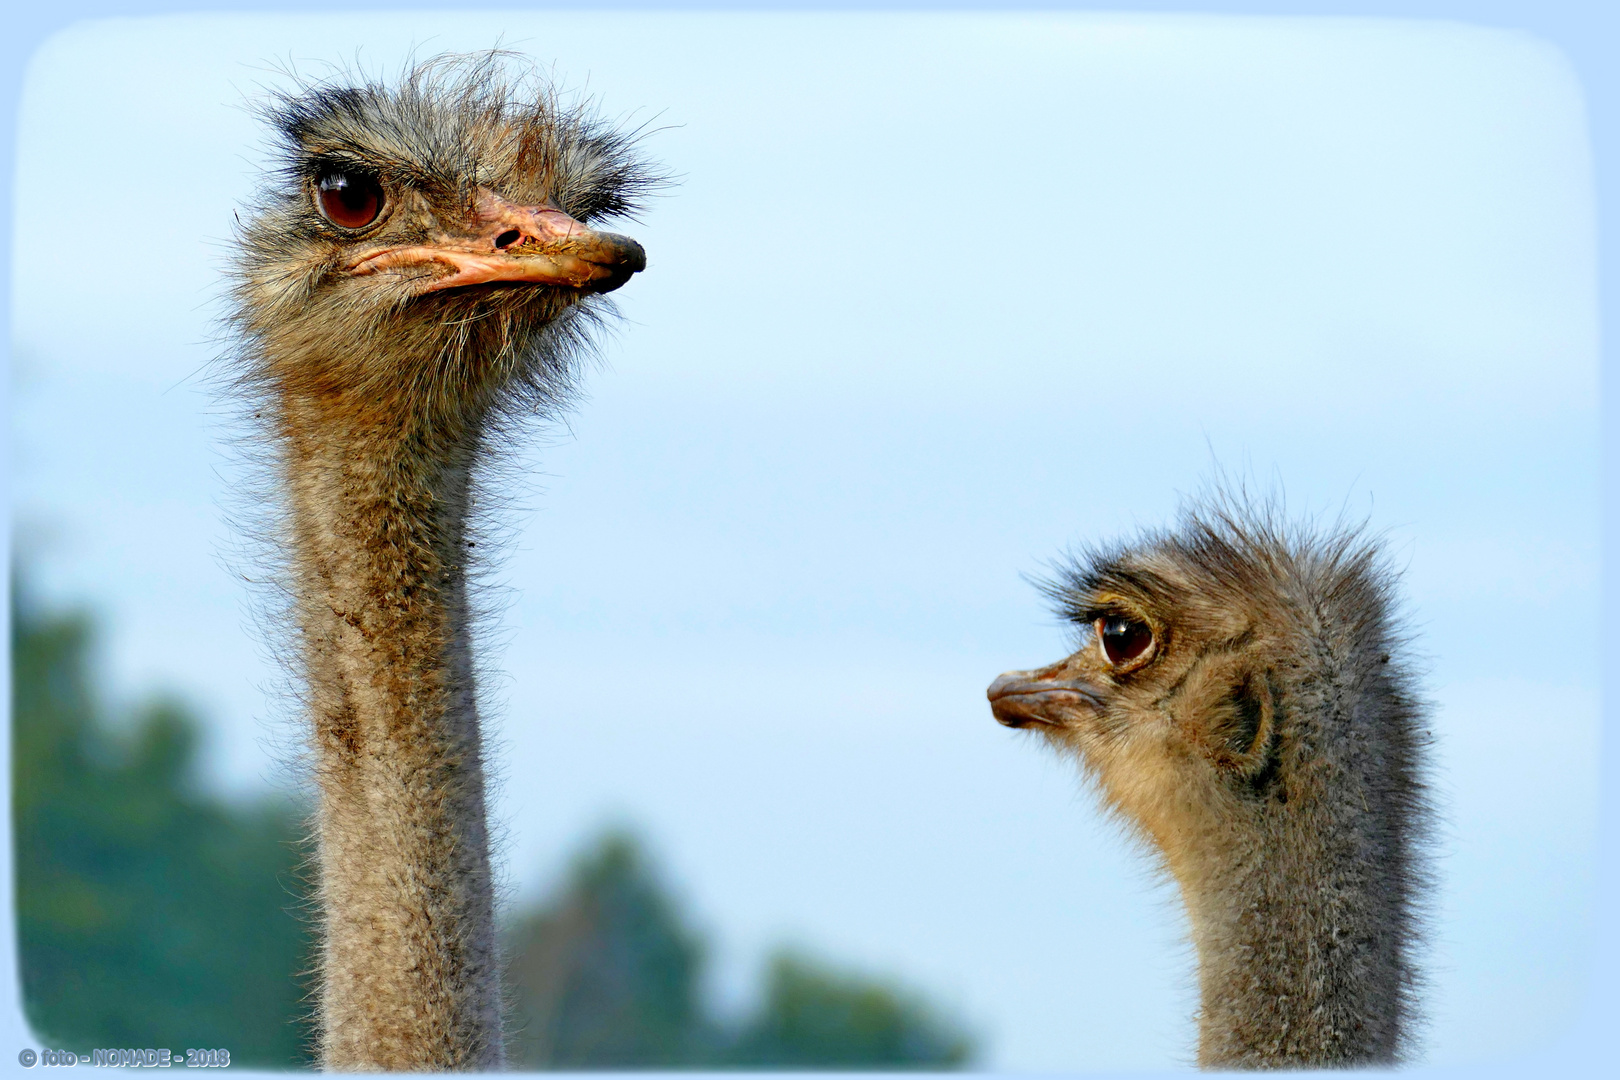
{"points": [[936, 297]]}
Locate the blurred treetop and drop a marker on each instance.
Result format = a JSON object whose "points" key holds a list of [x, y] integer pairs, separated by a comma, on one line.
{"points": [[608, 976], [150, 913]]}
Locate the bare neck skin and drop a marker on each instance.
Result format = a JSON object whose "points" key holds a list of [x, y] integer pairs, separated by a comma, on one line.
{"points": [[410, 969]]}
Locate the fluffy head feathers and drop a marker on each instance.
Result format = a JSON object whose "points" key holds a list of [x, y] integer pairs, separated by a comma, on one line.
{"points": [[427, 244], [1239, 697]]}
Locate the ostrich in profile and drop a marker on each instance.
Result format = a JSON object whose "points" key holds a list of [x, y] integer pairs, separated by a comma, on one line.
{"points": [[417, 276], [1239, 699]]}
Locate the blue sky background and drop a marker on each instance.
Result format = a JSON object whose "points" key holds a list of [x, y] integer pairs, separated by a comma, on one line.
{"points": [[936, 297]]}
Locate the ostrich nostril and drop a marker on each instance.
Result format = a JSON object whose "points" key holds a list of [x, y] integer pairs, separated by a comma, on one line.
{"points": [[508, 238]]}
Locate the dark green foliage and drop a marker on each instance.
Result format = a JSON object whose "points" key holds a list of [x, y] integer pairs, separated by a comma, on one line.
{"points": [[816, 1018], [608, 977], [152, 914], [148, 914]]}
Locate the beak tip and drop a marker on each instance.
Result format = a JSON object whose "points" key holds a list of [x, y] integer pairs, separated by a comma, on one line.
{"points": [[1021, 698], [1002, 684], [632, 256]]}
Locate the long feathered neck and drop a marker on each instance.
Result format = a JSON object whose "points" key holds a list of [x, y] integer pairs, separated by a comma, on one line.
{"points": [[409, 976], [1302, 902]]}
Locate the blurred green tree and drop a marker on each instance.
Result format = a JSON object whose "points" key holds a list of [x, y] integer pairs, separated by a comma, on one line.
{"points": [[814, 1017], [148, 913], [608, 976]]}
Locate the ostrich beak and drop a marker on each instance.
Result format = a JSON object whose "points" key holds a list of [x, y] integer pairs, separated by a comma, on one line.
{"points": [[540, 245], [1021, 698]]}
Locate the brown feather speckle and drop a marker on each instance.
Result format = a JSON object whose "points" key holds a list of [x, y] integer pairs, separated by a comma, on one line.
{"points": [[381, 400]]}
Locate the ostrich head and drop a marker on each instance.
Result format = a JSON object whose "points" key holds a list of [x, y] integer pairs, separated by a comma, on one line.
{"points": [[428, 244], [1235, 696], [1232, 676]]}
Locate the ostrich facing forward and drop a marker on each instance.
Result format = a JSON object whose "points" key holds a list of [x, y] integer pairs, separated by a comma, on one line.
{"points": [[417, 274], [1238, 699]]}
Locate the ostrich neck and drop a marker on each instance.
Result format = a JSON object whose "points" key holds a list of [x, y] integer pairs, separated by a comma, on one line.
{"points": [[409, 968], [1300, 928]]}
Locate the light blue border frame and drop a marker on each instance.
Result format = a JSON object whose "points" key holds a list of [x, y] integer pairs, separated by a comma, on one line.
{"points": [[1587, 32]]}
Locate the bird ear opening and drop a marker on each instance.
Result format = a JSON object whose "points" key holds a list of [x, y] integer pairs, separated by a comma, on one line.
{"points": [[1237, 725], [1242, 717]]}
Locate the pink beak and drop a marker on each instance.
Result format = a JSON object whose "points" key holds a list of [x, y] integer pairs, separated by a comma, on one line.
{"points": [[512, 243]]}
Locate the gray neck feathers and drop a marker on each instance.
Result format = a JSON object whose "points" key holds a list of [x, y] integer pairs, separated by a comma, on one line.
{"points": [[1304, 906], [409, 970]]}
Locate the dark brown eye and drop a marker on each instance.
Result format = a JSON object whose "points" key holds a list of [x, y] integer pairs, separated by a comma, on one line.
{"points": [[1124, 641], [351, 200]]}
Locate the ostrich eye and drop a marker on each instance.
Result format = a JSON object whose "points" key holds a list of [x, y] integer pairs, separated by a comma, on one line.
{"points": [[1123, 640], [350, 200]]}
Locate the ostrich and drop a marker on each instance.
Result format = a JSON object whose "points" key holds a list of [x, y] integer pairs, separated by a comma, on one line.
{"points": [[1239, 699], [416, 277]]}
